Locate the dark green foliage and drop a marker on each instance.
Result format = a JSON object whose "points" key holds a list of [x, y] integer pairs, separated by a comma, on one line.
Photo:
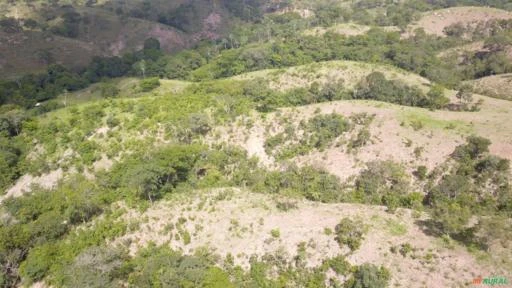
{"points": [[70, 26], [11, 121], [109, 90], [11, 153], [436, 98], [318, 133], [376, 87], [10, 25], [42, 218], [110, 67], [369, 276], [325, 128], [31, 89], [247, 10], [421, 172], [338, 264], [478, 183], [149, 176], [182, 64], [350, 232], [95, 267], [308, 182], [151, 44], [149, 84], [475, 147], [328, 13], [162, 267], [382, 182]]}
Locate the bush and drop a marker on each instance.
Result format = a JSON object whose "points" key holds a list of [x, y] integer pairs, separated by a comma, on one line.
{"points": [[350, 233], [369, 276], [109, 90], [95, 267], [421, 172], [381, 179], [149, 84], [376, 87], [338, 264], [318, 133], [162, 267], [361, 139], [313, 184], [477, 183]]}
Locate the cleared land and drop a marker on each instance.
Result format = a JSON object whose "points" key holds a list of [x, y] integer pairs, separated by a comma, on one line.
{"points": [[434, 22], [231, 221]]}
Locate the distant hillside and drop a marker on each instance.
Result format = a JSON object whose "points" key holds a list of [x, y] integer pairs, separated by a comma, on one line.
{"points": [[35, 34]]}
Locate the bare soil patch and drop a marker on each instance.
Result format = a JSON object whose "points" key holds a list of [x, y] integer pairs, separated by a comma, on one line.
{"points": [[435, 22]]}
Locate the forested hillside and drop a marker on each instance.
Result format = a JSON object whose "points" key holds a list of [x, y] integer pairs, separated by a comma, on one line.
{"points": [[255, 143]]}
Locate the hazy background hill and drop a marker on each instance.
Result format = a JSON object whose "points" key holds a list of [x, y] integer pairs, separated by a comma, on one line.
{"points": [[37, 33]]}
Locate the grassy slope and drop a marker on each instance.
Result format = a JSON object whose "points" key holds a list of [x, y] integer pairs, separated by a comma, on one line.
{"points": [[350, 72], [499, 86], [441, 131], [239, 223], [141, 130]]}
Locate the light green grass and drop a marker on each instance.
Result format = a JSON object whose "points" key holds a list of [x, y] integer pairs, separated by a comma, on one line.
{"points": [[417, 115]]}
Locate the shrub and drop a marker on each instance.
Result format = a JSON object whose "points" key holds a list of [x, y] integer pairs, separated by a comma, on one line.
{"points": [[112, 121], [421, 172], [376, 87], [286, 205], [477, 183], [149, 84], [275, 233], [361, 139], [350, 233], [162, 267], [369, 276], [381, 179], [338, 264], [95, 267], [405, 249], [109, 90]]}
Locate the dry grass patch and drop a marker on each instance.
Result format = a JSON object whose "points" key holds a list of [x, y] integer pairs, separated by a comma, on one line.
{"points": [[434, 22], [498, 86], [248, 224]]}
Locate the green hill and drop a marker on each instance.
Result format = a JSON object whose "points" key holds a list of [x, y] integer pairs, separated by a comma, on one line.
{"points": [[255, 143]]}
